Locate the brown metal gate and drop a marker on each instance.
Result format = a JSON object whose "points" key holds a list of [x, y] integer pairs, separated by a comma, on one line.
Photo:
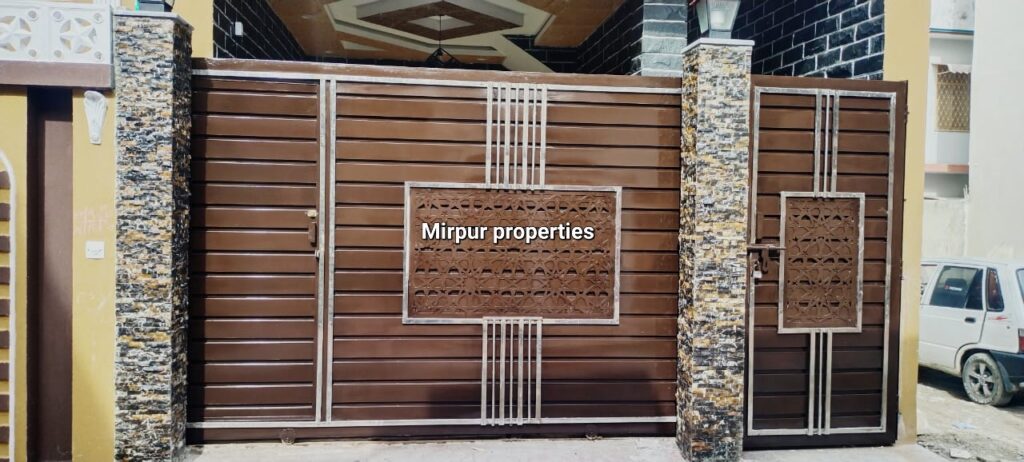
{"points": [[827, 162], [282, 340]]}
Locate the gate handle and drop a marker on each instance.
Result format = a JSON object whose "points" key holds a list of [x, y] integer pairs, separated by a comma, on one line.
{"points": [[312, 229]]}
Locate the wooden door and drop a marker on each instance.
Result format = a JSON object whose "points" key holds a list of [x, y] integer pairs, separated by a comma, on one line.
{"points": [[827, 161]]}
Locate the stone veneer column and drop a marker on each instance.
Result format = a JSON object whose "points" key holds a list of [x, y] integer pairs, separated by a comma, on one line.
{"points": [[152, 78], [712, 251]]}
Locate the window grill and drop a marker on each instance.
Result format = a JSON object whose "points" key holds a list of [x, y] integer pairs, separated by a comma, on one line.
{"points": [[954, 100]]}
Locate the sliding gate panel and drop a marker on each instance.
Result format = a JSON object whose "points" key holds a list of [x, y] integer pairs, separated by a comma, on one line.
{"points": [[300, 174], [388, 134], [254, 285], [825, 246]]}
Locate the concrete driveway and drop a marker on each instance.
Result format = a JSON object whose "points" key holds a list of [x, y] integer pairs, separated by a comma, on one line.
{"points": [[947, 420]]}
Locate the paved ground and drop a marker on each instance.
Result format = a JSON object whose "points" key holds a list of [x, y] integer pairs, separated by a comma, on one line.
{"points": [[602, 450], [948, 421]]}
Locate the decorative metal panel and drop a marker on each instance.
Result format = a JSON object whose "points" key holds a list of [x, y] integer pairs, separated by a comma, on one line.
{"points": [[559, 274], [822, 267]]}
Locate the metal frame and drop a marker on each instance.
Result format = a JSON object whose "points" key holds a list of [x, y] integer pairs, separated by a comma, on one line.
{"points": [[332, 161], [421, 422], [430, 82], [322, 91], [784, 197], [326, 215], [614, 320], [752, 240]]}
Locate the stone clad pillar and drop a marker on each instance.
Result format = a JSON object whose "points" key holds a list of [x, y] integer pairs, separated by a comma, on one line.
{"points": [[152, 78], [712, 251]]}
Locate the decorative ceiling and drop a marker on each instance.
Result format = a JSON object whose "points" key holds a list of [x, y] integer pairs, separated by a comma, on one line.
{"points": [[410, 30]]}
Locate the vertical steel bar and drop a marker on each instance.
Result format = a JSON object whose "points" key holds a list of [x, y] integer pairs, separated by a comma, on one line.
{"points": [[330, 240], [543, 132], [508, 133], [483, 368], [811, 384], [517, 119], [529, 364], [519, 386], [501, 386], [323, 114], [487, 161], [817, 136], [533, 147], [828, 386], [828, 132], [525, 179], [835, 140], [540, 364], [494, 370]]}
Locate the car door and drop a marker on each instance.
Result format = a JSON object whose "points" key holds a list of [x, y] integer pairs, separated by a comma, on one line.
{"points": [[952, 315]]}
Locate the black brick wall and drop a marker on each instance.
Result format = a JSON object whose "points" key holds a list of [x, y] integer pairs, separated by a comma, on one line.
{"points": [[264, 35], [815, 38]]}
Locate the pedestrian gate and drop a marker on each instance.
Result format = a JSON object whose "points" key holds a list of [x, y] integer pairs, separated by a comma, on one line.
{"points": [[826, 223]]}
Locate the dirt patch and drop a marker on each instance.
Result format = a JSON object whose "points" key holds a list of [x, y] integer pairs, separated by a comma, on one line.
{"points": [[953, 427]]}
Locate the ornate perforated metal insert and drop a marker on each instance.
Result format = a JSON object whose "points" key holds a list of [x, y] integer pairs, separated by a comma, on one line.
{"points": [[822, 266], [565, 273]]}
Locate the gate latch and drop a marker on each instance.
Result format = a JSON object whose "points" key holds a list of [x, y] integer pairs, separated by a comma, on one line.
{"points": [[313, 232], [760, 255]]}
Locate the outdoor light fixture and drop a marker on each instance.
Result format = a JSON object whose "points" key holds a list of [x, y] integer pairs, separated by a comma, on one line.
{"points": [[717, 17], [155, 5]]}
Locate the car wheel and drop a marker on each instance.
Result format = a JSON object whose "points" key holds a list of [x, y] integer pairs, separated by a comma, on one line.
{"points": [[983, 381]]}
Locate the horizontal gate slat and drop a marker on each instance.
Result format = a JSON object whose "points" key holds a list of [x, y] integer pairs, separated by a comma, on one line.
{"points": [[391, 129], [255, 127], [474, 154], [380, 326], [470, 348], [553, 392], [448, 93], [284, 413], [225, 329], [400, 173], [249, 217], [256, 103], [283, 350], [256, 195], [469, 369], [476, 110], [253, 263], [267, 372], [204, 147], [803, 162], [471, 411], [259, 307], [222, 395], [219, 83], [215, 171]]}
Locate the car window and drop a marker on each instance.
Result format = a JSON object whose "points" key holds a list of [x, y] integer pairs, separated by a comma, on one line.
{"points": [[1020, 281], [958, 287], [927, 271], [993, 293]]}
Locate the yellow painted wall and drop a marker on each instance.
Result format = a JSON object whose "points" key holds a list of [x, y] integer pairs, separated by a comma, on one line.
{"points": [[906, 59], [93, 334], [13, 141], [198, 13]]}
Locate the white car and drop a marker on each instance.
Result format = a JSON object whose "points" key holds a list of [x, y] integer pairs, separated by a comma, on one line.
{"points": [[972, 325]]}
